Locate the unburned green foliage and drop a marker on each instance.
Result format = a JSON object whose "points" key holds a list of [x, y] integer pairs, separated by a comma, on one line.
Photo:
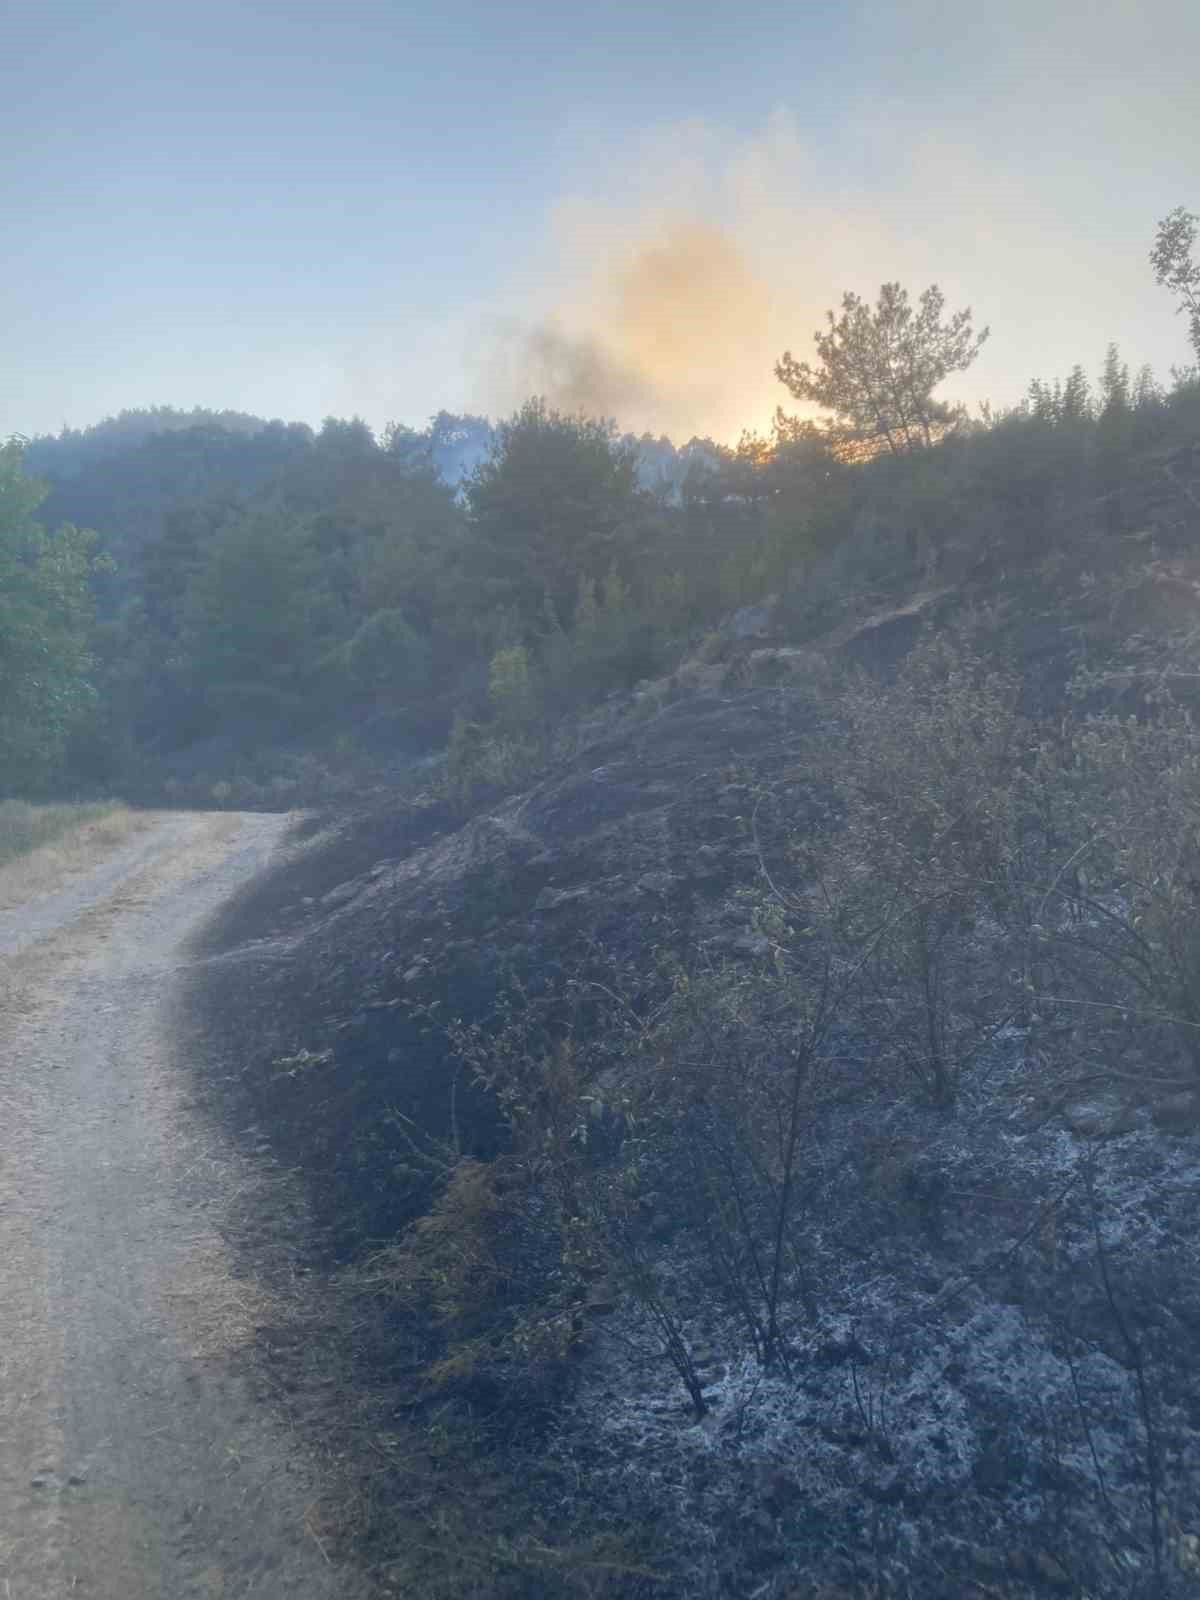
{"points": [[46, 615]]}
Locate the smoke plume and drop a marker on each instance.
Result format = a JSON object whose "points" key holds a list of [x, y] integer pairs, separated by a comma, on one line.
{"points": [[670, 331], [669, 283]]}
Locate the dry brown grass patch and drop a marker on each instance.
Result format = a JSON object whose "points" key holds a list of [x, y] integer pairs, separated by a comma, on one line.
{"points": [[42, 846]]}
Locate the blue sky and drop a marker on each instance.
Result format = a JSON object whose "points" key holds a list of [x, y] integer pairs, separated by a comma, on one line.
{"points": [[302, 209]]}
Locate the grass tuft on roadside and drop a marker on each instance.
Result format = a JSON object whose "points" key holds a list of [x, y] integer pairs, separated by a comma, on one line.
{"points": [[41, 844], [25, 826]]}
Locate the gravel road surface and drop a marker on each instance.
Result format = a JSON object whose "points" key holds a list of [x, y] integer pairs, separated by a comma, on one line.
{"points": [[136, 1462]]}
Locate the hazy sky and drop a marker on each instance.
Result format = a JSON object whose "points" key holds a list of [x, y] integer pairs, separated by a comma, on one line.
{"points": [[302, 209]]}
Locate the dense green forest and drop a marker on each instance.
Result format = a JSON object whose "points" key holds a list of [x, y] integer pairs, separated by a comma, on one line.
{"points": [[264, 614]]}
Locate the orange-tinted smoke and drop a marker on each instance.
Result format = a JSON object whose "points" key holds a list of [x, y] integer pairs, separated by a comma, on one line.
{"points": [[673, 332]]}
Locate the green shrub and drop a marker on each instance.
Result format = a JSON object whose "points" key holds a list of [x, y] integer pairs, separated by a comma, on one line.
{"points": [[513, 688]]}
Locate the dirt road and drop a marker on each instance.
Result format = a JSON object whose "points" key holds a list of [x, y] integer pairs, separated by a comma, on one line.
{"points": [[135, 1462]]}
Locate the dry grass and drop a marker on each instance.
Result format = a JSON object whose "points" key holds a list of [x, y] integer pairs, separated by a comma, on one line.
{"points": [[41, 845]]}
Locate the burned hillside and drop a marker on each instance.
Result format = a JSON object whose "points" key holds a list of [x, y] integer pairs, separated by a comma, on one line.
{"points": [[764, 1150]]}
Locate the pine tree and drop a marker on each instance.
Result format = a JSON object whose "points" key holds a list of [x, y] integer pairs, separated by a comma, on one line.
{"points": [[879, 367], [1114, 385], [1147, 391], [1076, 402], [1175, 268]]}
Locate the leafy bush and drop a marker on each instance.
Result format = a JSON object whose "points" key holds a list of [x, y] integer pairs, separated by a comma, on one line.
{"points": [[514, 689], [46, 619], [388, 657]]}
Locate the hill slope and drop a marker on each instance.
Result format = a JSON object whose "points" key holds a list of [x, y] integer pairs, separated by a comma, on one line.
{"points": [[762, 1157]]}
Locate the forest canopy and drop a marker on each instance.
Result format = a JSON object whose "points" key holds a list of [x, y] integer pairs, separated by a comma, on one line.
{"points": [[46, 622], [294, 606]]}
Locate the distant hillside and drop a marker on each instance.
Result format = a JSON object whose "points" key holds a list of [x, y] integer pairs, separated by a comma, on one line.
{"points": [[122, 477], [262, 583], [64, 455]]}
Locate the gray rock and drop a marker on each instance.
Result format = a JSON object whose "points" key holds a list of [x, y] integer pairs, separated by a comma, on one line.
{"points": [[1178, 1113], [1100, 1119], [751, 622]]}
